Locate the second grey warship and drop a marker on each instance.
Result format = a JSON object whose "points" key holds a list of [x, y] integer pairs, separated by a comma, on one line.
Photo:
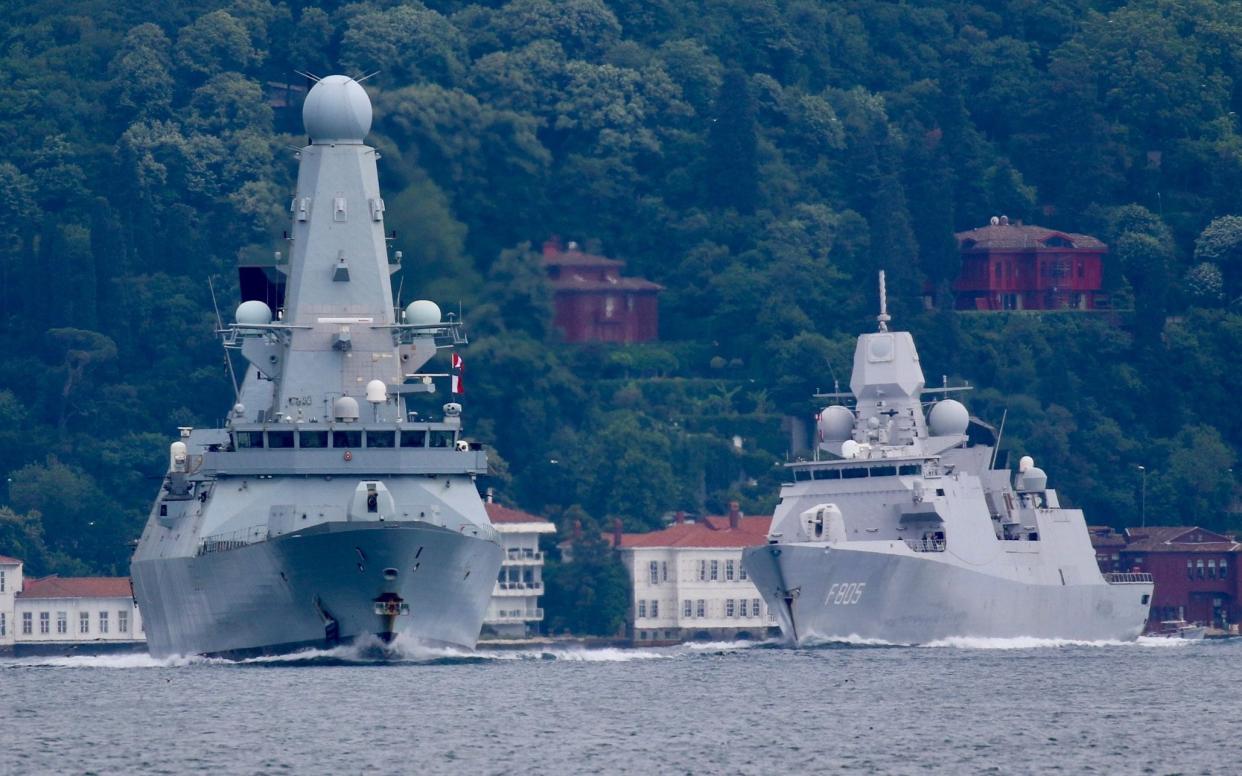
{"points": [[906, 532], [326, 510]]}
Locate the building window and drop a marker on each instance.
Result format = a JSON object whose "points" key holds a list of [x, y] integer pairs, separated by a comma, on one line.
{"points": [[27, 620], [642, 610], [702, 571], [1190, 569], [103, 622], [654, 571], [122, 622], [1224, 568], [1212, 569], [2, 574], [62, 622], [715, 570], [45, 622], [729, 607], [1199, 569], [742, 573], [84, 622], [4, 625], [663, 571], [685, 608], [754, 608], [700, 608], [655, 609], [741, 605], [729, 570]]}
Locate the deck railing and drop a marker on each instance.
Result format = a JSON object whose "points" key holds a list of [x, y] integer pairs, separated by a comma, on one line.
{"points": [[232, 540], [925, 545], [1127, 578]]}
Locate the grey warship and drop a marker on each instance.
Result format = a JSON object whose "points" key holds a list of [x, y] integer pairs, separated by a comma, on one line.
{"points": [[905, 531], [325, 510]]}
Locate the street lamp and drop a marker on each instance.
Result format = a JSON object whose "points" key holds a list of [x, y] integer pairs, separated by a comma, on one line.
{"points": [[1143, 497]]}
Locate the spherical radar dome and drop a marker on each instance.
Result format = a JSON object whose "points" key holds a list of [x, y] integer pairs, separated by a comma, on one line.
{"points": [[337, 110], [836, 423], [422, 312], [948, 418], [253, 313]]}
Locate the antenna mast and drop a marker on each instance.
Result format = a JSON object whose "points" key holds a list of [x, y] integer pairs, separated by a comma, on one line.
{"points": [[883, 317]]}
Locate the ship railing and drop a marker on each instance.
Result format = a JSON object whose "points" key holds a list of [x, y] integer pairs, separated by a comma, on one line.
{"points": [[520, 585], [925, 545], [232, 540], [1127, 578]]}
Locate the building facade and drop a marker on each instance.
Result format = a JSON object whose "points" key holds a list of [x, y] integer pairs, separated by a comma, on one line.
{"points": [[1010, 266], [1195, 571], [687, 581], [594, 303], [514, 610], [55, 614]]}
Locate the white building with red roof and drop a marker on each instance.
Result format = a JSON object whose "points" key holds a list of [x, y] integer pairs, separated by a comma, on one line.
{"points": [[54, 613], [514, 609], [688, 581]]}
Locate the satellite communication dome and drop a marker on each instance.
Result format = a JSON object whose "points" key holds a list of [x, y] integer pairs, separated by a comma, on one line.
{"points": [[377, 392], [850, 449], [1034, 478], [345, 408], [948, 418], [337, 110], [423, 312], [1025, 463], [253, 313], [836, 423]]}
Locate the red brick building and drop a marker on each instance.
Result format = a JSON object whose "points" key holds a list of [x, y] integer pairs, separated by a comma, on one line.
{"points": [[1195, 570], [594, 303], [1009, 266]]}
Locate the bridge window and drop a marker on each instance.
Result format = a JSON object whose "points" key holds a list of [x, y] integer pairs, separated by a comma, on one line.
{"points": [[910, 469], [883, 471], [441, 439], [414, 438], [247, 440], [280, 439], [854, 474], [380, 438], [312, 439], [346, 438], [827, 474], [801, 475]]}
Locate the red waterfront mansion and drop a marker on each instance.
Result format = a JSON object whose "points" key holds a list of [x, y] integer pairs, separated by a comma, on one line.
{"points": [[1012, 266], [593, 302]]}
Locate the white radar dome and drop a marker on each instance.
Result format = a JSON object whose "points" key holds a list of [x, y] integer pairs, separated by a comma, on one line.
{"points": [[948, 418], [377, 392], [337, 110], [850, 449], [1025, 463], [345, 408], [836, 423], [253, 313], [1034, 479], [423, 312]]}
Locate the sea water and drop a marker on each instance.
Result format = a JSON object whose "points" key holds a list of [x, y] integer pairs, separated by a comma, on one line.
{"points": [[964, 706]]}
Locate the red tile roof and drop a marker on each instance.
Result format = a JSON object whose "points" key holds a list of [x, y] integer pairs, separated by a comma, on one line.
{"points": [[576, 258], [711, 532], [1178, 538], [579, 283], [77, 587], [7, 559], [1009, 236], [503, 514]]}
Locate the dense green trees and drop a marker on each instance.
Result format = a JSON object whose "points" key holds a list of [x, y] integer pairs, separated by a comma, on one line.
{"points": [[760, 159]]}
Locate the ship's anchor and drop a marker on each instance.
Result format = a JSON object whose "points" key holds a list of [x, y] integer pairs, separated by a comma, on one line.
{"points": [[331, 628]]}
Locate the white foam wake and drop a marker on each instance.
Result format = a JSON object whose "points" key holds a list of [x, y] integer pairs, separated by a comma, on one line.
{"points": [[1030, 642]]}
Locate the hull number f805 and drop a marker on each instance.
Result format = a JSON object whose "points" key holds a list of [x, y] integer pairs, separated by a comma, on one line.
{"points": [[844, 593]]}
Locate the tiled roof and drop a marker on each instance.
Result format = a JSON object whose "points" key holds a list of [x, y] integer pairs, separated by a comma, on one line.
{"points": [[579, 283], [6, 559], [1103, 537], [576, 258], [503, 514], [711, 532], [1178, 538], [1001, 236], [77, 587]]}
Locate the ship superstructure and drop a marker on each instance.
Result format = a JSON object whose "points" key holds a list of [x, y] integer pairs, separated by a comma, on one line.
{"points": [[326, 509], [904, 530]]}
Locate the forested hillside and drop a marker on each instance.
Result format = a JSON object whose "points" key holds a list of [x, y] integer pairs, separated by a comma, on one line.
{"points": [[759, 158]]}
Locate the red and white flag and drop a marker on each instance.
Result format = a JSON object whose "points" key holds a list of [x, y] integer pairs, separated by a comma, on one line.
{"points": [[459, 368]]}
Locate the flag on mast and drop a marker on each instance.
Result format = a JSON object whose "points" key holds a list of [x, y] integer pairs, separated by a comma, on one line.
{"points": [[459, 368]]}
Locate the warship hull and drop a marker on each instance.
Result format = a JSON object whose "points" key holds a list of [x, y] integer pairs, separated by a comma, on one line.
{"points": [[820, 593], [329, 584]]}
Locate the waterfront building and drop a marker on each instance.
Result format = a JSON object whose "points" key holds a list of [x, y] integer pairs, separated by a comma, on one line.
{"points": [[1195, 571], [1013, 266], [593, 302], [52, 614], [687, 580], [514, 610]]}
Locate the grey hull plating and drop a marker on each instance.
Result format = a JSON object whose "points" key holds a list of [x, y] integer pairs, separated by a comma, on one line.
{"points": [[912, 599], [287, 592]]}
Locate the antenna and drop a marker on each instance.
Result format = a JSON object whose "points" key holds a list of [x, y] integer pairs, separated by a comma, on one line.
{"points": [[227, 356], [311, 76], [883, 316], [365, 77], [999, 435]]}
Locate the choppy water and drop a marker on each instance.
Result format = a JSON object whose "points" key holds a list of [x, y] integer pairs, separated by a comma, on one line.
{"points": [[963, 707]]}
